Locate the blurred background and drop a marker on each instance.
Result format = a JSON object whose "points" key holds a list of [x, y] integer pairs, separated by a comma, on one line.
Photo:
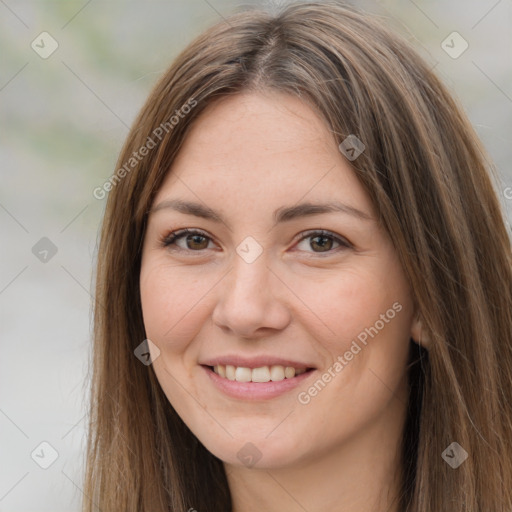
{"points": [[73, 75]]}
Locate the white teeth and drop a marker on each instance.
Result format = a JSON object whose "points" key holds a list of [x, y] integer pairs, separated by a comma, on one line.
{"points": [[243, 374], [262, 374], [289, 372], [230, 372], [276, 372]]}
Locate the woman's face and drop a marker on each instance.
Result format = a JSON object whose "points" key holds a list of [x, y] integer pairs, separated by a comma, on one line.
{"points": [[267, 286]]}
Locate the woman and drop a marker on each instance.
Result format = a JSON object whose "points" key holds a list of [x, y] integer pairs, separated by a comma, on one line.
{"points": [[304, 289]]}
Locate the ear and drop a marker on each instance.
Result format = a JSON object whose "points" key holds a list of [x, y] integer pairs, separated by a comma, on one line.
{"points": [[418, 333]]}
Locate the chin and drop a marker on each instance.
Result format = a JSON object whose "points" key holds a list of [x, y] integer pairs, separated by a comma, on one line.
{"points": [[254, 450]]}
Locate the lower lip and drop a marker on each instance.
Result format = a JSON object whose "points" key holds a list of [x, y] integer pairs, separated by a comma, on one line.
{"points": [[255, 390]]}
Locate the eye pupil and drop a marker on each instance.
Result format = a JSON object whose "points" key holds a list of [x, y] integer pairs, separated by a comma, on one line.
{"points": [[195, 240], [323, 245]]}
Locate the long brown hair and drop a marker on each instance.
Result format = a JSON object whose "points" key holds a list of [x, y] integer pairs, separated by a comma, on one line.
{"points": [[430, 180]]}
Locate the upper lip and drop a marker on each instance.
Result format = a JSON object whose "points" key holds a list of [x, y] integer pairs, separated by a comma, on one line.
{"points": [[254, 362]]}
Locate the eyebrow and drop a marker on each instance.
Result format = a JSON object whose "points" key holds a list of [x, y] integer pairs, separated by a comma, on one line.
{"points": [[283, 214]]}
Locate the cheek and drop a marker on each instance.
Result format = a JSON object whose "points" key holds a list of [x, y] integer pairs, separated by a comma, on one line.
{"points": [[172, 305], [343, 305], [370, 313]]}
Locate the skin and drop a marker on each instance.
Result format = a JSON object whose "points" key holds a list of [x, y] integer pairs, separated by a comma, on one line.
{"points": [[246, 156]]}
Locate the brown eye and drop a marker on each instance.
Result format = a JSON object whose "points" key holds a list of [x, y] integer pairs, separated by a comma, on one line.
{"points": [[194, 240], [323, 242]]}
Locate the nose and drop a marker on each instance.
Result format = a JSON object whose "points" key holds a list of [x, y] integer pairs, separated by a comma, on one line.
{"points": [[250, 303]]}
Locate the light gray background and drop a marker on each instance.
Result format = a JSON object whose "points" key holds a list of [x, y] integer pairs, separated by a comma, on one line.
{"points": [[63, 120]]}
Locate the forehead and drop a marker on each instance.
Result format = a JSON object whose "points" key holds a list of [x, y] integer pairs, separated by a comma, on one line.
{"points": [[262, 148], [269, 124]]}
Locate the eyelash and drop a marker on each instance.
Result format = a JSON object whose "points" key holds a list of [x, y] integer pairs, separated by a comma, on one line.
{"points": [[170, 239]]}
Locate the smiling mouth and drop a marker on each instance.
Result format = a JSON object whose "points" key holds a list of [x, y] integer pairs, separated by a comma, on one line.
{"points": [[274, 373]]}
